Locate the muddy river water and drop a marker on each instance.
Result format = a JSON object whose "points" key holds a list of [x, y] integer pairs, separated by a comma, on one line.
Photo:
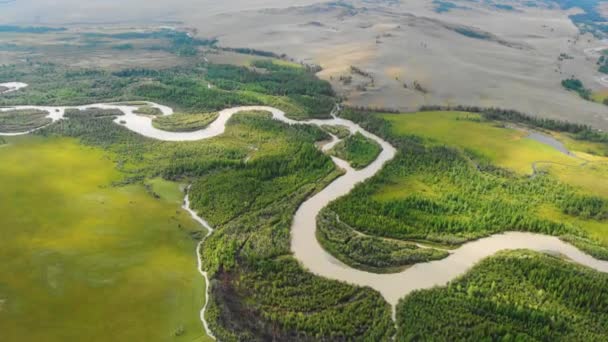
{"points": [[304, 243]]}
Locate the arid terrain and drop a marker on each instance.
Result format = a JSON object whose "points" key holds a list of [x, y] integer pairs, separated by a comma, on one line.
{"points": [[404, 54]]}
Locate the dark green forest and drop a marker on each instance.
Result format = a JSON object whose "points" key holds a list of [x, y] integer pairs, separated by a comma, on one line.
{"points": [[294, 90], [358, 150], [513, 296]]}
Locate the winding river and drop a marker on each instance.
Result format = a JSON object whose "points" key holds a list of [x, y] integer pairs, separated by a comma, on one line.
{"points": [[304, 244]]}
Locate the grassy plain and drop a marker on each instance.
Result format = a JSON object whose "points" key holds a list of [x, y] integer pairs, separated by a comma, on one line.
{"points": [[83, 260], [590, 178], [503, 147], [581, 147], [509, 148]]}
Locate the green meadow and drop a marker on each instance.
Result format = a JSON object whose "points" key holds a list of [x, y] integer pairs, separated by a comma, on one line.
{"points": [[590, 177], [504, 147], [85, 260]]}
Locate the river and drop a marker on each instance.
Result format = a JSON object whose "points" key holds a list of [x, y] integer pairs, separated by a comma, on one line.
{"points": [[304, 244]]}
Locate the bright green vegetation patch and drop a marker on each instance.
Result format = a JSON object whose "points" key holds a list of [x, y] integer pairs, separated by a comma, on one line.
{"points": [[590, 177], [358, 150], [167, 190], [22, 120], [85, 260], [597, 230], [437, 193], [184, 122], [489, 142], [594, 148], [340, 131], [514, 296], [148, 110], [369, 253]]}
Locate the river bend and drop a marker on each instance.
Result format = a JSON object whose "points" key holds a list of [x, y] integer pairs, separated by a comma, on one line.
{"points": [[304, 244]]}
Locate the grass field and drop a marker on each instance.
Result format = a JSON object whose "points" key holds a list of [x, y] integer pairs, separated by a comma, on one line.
{"points": [[504, 147], [582, 147], [591, 178], [83, 260]]}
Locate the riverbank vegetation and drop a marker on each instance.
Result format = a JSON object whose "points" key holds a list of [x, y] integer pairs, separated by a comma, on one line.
{"points": [[339, 131], [583, 134], [184, 122], [369, 253], [148, 110], [358, 150], [514, 296], [22, 120], [447, 188]]}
